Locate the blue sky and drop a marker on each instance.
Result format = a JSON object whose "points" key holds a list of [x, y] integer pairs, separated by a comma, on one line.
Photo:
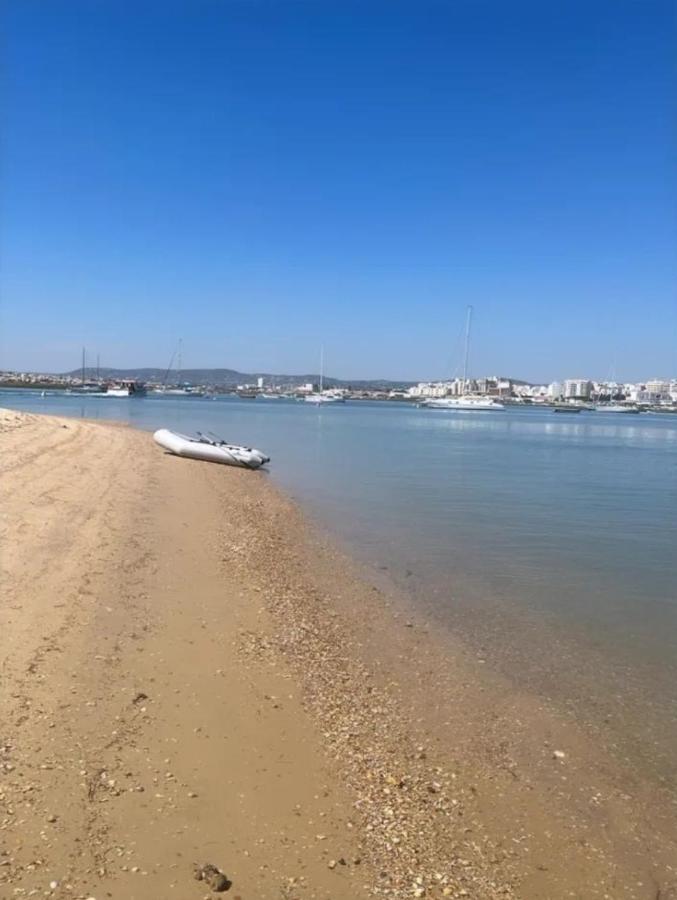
{"points": [[260, 178]]}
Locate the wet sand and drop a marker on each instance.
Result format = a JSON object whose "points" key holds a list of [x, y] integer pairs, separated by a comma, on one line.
{"points": [[191, 675]]}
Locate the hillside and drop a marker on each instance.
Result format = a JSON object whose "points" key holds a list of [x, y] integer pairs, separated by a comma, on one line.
{"points": [[230, 378]]}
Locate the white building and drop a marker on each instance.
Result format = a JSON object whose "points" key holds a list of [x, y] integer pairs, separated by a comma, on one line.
{"points": [[655, 392], [577, 389], [431, 389], [458, 387], [658, 387]]}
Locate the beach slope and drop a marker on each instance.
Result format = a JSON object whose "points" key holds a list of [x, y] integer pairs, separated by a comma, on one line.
{"points": [[191, 678], [137, 740]]}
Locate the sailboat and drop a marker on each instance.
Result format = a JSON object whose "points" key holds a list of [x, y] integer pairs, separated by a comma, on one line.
{"points": [[86, 387], [465, 402], [323, 396], [179, 390], [616, 408], [613, 406]]}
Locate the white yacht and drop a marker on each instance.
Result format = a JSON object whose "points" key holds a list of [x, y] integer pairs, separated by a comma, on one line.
{"points": [[125, 388], [325, 397], [185, 391], [178, 388], [466, 402], [322, 396], [615, 408]]}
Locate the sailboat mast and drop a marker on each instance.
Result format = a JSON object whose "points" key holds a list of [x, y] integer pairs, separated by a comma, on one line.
{"points": [[83, 365], [321, 369], [466, 354], [178, 367]]}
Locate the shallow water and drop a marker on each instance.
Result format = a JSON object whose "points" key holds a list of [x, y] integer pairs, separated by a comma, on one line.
{"points": [[549, 542]]}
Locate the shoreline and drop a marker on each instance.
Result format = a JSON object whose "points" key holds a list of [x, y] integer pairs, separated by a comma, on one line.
{"points": [[433, 771]]}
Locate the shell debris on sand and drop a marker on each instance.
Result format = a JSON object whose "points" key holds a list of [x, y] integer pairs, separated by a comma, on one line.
{"points": [[417, 825]]}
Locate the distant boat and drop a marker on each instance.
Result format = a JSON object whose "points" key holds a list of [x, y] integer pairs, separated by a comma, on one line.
{"points": [[616, 408], [270, 396], [465, 402], [179, 390], [566, 408], [85, 386], [125, 388], [186, 391], [322, 396]]}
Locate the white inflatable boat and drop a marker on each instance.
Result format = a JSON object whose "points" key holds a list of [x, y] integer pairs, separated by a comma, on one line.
{"points": [[210, 449]]}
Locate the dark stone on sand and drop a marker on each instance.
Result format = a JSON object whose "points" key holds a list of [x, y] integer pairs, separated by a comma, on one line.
{"points": [[213, 876]]}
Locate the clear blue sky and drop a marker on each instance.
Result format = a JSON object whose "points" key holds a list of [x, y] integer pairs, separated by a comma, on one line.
{"points": [[263, 177]]}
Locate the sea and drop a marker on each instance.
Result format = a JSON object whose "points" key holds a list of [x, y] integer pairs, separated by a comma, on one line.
{"points": [[547, 543]]}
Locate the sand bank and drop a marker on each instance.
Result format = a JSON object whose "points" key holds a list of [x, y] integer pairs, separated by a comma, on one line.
{"points": [[190, 675]]}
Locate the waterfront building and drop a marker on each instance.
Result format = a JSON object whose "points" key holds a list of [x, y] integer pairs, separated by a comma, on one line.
{"points": [[432, 389], [486, 386], [659, 387], [577, 389], [654, 393]]}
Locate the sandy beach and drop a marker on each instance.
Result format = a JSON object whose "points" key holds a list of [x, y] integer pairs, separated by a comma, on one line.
{"points": [[192, 675]]}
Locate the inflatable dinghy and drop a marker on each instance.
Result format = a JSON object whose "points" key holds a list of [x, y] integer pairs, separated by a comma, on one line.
{"points": [[210, 449]]}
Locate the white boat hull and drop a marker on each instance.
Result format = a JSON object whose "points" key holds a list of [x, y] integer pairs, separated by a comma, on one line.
{"points": [[617, 410], [318, 399], [218, 452], [459, 404], [118, 392]]}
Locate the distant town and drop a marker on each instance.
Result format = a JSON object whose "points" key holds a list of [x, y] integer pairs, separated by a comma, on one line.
{"points": [[655, 392]]}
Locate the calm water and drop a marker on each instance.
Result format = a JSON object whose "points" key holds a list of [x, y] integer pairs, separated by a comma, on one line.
{"points": [[549, 542]]}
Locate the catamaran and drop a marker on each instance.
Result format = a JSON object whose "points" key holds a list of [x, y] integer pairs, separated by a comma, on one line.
{"points": [[465, 402]]}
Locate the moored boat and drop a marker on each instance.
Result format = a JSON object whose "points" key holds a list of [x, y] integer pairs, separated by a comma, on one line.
{"points": [[126, 388], [186, 391], [566, 408], [321, 396], [325, 397], [616, 408], [210, 449], [468, 402]]}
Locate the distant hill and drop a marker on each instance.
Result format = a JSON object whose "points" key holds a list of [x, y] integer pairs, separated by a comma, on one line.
{"points": [[229, 378]]}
